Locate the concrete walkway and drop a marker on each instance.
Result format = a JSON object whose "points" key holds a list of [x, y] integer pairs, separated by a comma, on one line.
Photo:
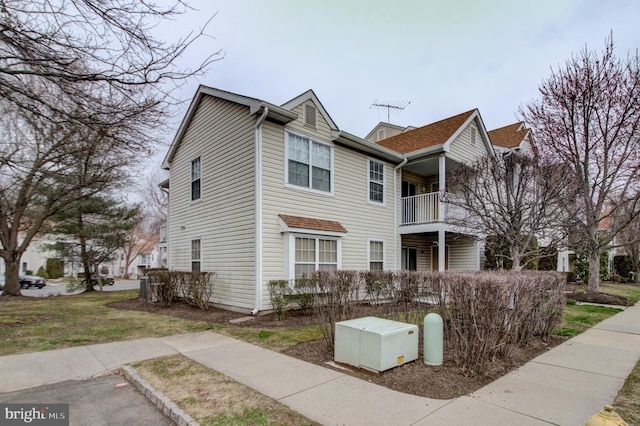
{"points": [[564, 386]]}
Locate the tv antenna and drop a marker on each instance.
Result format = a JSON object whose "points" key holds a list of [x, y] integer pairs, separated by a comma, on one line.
{"points": [[396, 107]]}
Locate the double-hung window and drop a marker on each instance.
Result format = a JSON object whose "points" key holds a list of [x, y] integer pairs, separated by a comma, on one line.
{"points": [[309, 163], [196, 179], [376, 182], [376, 255], [315, 254], [196, 255]]}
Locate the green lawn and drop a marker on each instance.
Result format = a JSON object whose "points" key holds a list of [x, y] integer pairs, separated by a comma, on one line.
{"points": [[31, 325], [578, 318], [40, 324], [629, 291]]}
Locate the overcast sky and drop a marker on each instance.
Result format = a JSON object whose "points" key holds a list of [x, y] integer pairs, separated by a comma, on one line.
{"points": [[444, 57]]}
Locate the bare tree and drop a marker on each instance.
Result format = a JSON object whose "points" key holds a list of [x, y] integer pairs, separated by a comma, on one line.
{"points": [[84, 90], [588, 120], [137, 242], [155, 200], [510, 198], [629, 240]]}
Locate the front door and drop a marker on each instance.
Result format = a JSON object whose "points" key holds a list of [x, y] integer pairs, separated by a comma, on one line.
{"points": [[409, 258], [409, 189]]}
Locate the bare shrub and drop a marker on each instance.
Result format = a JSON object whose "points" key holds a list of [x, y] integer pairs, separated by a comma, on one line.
{"points": [[334, 301], [490, 314], [378, 286], [304, 294], [163, 287], [279, 291], [195, 288]]}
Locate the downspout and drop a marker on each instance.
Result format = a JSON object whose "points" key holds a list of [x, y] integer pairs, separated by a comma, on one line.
{"points": [[395, 210], [258, 188]]}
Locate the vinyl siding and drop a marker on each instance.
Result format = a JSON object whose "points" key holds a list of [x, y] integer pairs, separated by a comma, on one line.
{"points": [[463, 151], [222, 134], [348, 204], [424, 249], [462, 253], [463, 256]]}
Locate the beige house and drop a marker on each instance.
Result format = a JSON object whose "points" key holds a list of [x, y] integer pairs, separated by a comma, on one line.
{"points": [[261, 192]]}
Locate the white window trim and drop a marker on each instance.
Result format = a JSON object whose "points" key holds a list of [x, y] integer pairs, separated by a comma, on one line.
{"points": [[197, 200], [417, 251], [384, 249], [291, 243], [384, 177], [191, 254], [286, 165]]}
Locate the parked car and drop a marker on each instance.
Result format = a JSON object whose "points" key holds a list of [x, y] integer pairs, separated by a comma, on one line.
{"points": [[106, 279], [28, 281]]}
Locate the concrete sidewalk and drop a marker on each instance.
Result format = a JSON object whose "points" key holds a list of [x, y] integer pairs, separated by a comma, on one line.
{"points": [[564, 386]]}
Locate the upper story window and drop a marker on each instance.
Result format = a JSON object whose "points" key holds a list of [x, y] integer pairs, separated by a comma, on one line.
{"points": [[376, 182], [309, 163], [196, 179]]}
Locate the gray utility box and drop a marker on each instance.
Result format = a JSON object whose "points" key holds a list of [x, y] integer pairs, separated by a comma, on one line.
{"points": [[375, 344]]}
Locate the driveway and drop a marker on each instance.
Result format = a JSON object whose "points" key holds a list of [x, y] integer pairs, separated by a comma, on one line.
{"points": [[102, 401]]}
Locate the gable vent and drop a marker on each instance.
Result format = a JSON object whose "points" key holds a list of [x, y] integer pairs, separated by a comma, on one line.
{"points": [[380, 134], [310, 115]]}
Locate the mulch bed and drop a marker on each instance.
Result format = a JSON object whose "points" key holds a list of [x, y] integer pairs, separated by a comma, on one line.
{"points": [[600, 298], [440, 382]]}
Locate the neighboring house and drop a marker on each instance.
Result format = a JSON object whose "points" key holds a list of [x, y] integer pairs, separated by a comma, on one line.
{"points": [[518, 137], [260, 192], [163, 248], [31, 259], [515, 136], [144, 254], [433, 151]]}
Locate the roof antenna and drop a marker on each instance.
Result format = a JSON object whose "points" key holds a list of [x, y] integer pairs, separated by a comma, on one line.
{"points": [[395, 107]]}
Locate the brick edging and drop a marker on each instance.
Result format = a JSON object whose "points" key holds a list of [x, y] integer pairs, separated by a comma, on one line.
{"points": [[157, 398]]}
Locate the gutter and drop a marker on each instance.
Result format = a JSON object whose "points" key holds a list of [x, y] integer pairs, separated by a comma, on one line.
{"points": [[258, 189], [395, 210]]}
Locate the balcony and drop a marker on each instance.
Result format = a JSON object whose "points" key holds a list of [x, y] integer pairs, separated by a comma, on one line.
{"points": [[427, 208]]}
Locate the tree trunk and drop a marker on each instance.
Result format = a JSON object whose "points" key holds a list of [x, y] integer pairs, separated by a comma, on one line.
{"points": [[98, 277], [516, 259], [594, 271], [127, 263], [12, 280]]}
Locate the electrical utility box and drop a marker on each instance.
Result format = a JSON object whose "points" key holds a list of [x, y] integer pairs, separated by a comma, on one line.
{"points": [[375, 344]]}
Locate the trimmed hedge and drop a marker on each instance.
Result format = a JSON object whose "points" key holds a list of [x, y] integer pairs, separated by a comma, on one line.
{"points": [[487, 314]]}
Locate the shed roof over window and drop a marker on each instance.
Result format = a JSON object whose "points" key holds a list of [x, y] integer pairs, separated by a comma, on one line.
{"points": [[295, 222]]}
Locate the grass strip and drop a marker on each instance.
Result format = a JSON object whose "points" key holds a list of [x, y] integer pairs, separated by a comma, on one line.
{"points": [[212, 398]]}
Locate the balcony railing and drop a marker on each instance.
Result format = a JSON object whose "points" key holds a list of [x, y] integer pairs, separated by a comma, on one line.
{"points": [[426, 208]]}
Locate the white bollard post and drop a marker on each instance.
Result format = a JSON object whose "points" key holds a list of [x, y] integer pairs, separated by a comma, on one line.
{"points": [[433, 353]]}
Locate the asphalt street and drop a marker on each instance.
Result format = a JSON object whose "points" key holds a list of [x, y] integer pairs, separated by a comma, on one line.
{"points": [[54, 288], [101, 401]]}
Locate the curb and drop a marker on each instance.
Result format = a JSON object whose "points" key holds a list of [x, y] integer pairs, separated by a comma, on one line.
{"points": [[157, 398]]}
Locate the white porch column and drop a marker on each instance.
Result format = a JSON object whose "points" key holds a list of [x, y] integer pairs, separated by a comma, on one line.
{"points": [[441, 186], [441, 250]]}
